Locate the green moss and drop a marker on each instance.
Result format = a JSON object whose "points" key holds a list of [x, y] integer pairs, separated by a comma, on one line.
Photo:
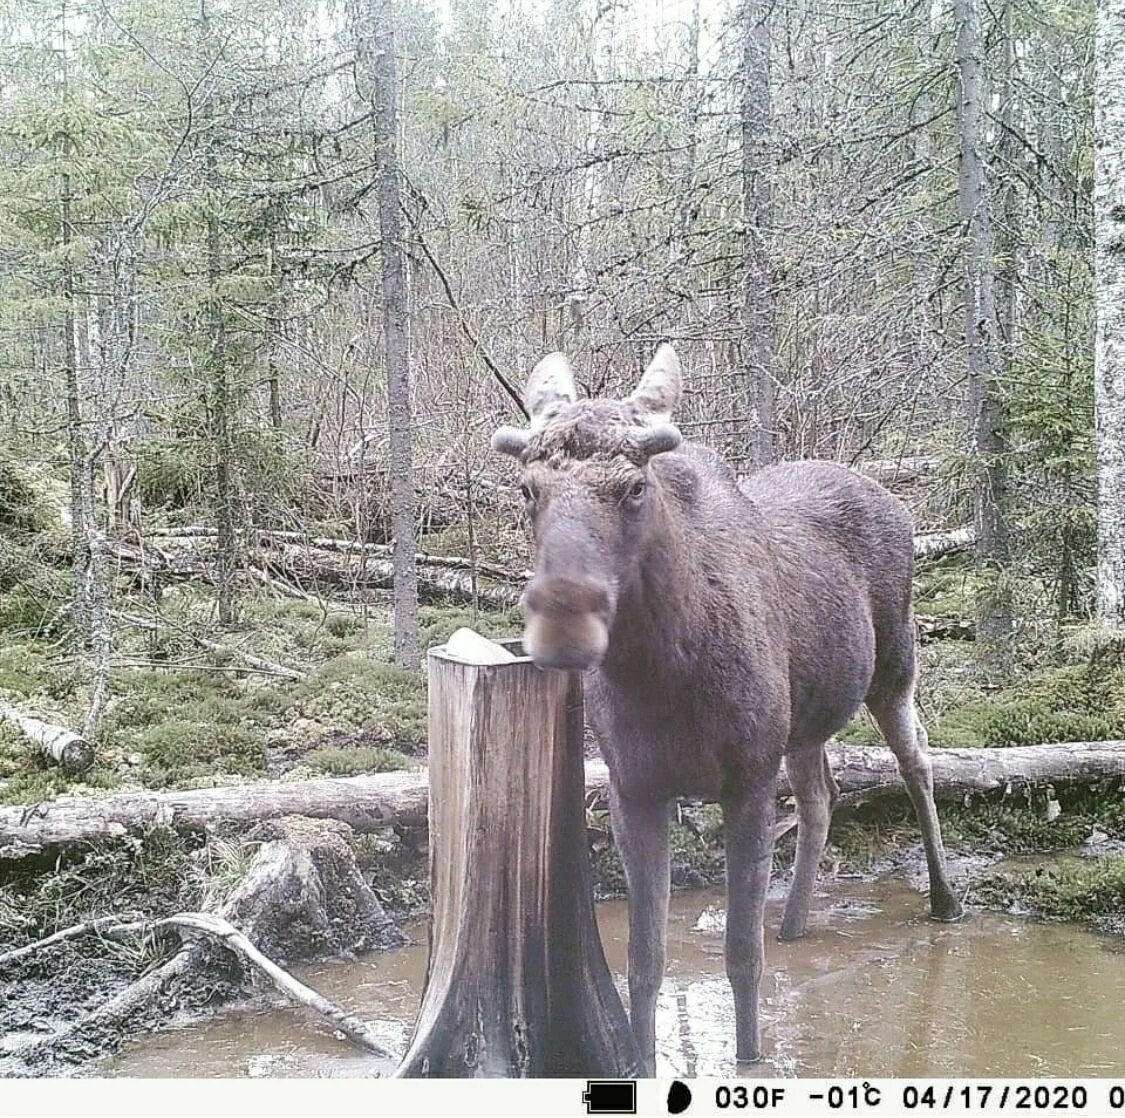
{"points": [[177, 751], [946, 586], [1080, 890], [291, 631], [23, 611], [861, 730], [1061, 704], [1014, 824], [360, 694], [336, 761], [23, 667], [191, 725], [156, 873]]}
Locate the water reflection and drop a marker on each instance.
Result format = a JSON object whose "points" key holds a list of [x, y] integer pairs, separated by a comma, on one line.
{"points": [[874, 989]]}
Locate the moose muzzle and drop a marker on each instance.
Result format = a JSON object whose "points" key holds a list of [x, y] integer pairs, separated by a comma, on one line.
{"points": [[567, 622]]}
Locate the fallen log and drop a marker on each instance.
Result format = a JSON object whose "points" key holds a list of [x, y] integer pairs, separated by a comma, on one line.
{"points": [[67, 749], [267, 536], [287, 567], [286, 560], [295, 564], [381, 550], [369, 803], [892, 471], [258, 663], [931, 628], [929, 545]]}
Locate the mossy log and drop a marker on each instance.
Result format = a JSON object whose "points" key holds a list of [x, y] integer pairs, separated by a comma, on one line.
{"points": [[517, 983], [370, 803], [70, 750]]}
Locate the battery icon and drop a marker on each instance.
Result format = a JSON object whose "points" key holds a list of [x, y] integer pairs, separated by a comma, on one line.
{"points": [[610, 1096]]}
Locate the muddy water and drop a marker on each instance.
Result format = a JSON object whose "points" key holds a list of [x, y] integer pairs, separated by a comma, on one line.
{"points": [[875, 989]]}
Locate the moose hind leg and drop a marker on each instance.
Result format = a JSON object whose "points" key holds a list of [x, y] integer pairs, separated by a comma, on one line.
{"points": [[748, 824], [640, 830], [907, 739], [815, 790]]}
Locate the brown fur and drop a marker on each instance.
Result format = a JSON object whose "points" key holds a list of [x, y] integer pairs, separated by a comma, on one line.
{"points": [[740, 625]]}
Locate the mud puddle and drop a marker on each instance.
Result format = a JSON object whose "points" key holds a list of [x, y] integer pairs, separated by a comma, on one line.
{"points": [[874, 989]]}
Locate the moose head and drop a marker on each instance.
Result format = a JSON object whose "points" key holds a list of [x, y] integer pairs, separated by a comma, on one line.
{"points": [[593, 499]]}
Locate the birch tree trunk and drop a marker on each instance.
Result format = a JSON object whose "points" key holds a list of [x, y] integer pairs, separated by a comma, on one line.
{"points": [[1109, 353], [757, 274], [399, 415], [987, 411]]}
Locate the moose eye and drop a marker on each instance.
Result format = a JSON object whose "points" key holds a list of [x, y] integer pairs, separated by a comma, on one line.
{"points": [[637, 490], [528, 495]]}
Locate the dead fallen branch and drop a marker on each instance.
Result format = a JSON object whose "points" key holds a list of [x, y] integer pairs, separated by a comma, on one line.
{"points": [[64, 747], [383, 551], [302, 894], [267, 537], [287, 567], [288, 561], [931, 628], [87, 928], [258, 663], [909, 468], [296, 564], [223, 930], [929, 545], [368, 803]]}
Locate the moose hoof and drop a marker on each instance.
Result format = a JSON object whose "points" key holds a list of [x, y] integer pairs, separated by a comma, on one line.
{"points": [[791, 930], [947, 910]]}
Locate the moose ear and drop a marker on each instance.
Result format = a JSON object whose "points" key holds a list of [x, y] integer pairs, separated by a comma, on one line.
{"points": [[660, 387], [551, 382]]}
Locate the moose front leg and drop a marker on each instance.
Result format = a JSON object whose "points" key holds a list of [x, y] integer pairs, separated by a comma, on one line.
{"points": [[748, 822], [640, 829]]}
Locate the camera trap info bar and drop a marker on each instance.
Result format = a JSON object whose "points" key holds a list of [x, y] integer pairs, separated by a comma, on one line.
{"points": [[610, 1096]]}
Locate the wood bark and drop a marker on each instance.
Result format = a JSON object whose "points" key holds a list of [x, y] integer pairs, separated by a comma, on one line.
{"points": [[438, 581], [75, 436], [929, 545], [988, 420], [293, 555], [377, 51], [1109, 352], [369, 803], [280, 568], [220, 395], [517, 983], [757, 271], [67, 749]]}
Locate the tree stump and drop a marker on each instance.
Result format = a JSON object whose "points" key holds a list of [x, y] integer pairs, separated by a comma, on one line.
{"points": [[517, 983]]}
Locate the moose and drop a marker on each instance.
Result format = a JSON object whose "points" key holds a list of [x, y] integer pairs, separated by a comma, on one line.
{"points": [[723, 628]]}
